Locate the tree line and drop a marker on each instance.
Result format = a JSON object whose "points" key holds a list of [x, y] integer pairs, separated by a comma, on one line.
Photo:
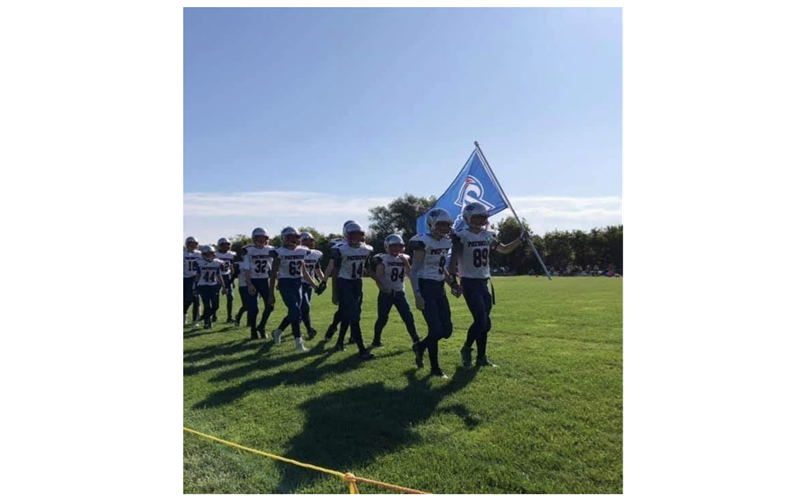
{"points": [[564, 252]]}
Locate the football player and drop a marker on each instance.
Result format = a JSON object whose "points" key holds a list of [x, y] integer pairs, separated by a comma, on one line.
{"points": [[227, 256], [208, 283], [239, 268], [315, 272], [257, 273], [390, 269], [191, 255], [328, 274]]}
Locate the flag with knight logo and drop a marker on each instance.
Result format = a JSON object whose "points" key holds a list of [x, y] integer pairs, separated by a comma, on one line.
{"points": [[475, 182]]}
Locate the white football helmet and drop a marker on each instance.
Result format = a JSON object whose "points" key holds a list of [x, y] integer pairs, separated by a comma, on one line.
{"points": [[257, 233], [393, 239], [438, 215], [344, 228], [307, 239], [289, 232], [354, 233], [223, 241], [207, 249], [475, 209]]}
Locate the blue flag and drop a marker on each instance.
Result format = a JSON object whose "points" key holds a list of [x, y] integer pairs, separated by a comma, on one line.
{"points": [[475, 182]]}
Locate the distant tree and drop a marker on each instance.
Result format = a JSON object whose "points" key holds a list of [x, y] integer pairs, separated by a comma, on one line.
{"points": [[398, 217], [558, 251]]}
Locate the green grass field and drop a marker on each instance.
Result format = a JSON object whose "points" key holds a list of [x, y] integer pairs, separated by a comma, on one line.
{"points": [[549, 419]]}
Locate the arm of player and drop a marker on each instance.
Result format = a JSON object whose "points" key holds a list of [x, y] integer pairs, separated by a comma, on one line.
{"points": [[418, 258], [324, 277], [455, 253], [380, 270], [275, 270], [307, 277], [195, 283], [335, 281], [367, 267], [512, 246], [336, 262], [248, 275], [452, 266], [220, 279]]}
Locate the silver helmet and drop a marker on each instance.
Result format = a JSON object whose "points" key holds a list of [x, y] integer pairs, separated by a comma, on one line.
{"points": [[474, 209], [393, 239], [286, 232], [438, 215]]}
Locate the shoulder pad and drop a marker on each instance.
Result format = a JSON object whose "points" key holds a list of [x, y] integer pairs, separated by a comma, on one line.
{"points": [[273, 253], [416, 244], [335, 252]]}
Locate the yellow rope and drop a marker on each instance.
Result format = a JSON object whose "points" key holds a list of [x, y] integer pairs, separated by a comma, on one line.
{"points": [[269, 455], [349, 478]]}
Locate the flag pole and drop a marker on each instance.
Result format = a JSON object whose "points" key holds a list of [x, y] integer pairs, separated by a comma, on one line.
{"points": [[500, 188]]}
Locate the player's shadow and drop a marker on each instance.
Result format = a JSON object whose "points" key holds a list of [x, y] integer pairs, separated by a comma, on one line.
{"points": [[348, 429], [232, 348], [259, 352], [197, 332], [308, 374]]}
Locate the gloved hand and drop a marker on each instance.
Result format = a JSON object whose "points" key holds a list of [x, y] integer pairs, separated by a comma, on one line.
{"points": [[321, 288], [524, 236]]}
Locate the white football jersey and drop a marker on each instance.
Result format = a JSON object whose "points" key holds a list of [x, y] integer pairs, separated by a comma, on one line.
{"points": [[353, 260], [190, 266], [312, 262], [208, 270], [436, 255], [476, 252], [289, 262], [226, 258], [393, 270], [259, 261]]}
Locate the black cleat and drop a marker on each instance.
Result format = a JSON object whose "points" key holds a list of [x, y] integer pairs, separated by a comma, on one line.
{"points": [[230, 320], [340, 347], [311, 334], [207, 325], [418, 353], [438, 373], [366, 355], [485, 362], [254, 336], [215, 319], [329, 334], [466, 357], [378, 344], [351, 341], [262, 332]]}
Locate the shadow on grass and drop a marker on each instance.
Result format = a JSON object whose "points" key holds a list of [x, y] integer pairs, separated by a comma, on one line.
{"points": [[347, 429], [310, 373]]}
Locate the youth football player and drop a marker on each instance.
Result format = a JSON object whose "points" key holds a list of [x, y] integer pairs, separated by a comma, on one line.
{"points": [[191, 255], [257, 274], [327, 275], [239, 268], [390, 269], [227, 256], [208, 283]]}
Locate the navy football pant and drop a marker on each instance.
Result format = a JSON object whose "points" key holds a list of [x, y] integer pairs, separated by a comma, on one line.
{"points": [[384, 303], [437, 316], [230, 295], [209, 296], [261, 284], [189, 298], [479, 301], [291, 291], [350, 298]]}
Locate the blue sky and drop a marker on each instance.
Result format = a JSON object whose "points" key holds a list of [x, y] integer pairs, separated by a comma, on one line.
{"points": [[311, 116]]}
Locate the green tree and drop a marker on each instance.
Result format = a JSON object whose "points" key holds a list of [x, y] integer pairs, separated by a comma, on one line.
{"points": [[613, 245], [558, 251], [579, 242], [597, 246], [398, 217]]}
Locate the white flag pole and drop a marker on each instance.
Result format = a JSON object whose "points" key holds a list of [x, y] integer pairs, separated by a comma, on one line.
{"points": [[495, 180]]}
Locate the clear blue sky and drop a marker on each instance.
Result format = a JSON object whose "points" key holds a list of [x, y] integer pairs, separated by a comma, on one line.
{"points": [[373, 103]]}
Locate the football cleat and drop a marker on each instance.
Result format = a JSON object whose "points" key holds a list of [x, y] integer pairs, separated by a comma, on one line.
{"points": [[466, 357], [485, 362], [378, 344], [300, 346], [311, 334], [339, 347], [418, 352], [438, 373], [277, 336], [366, 355]]}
